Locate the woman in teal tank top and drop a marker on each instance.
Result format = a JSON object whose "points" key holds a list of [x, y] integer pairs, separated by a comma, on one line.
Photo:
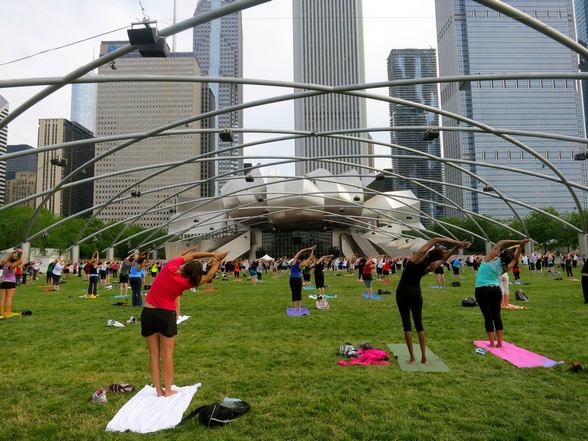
{"points": [[488, 292]]}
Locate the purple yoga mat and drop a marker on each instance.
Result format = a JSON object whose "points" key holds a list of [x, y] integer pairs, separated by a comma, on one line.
{"points": [[292, 311], [520, 357]]}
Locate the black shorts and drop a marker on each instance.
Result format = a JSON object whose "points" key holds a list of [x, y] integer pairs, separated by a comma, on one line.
{"points": [[56, 278], [439, 270], [7, 285], [103, 275], [157, 320], [123, 278], [319, 280], [455, 270]]}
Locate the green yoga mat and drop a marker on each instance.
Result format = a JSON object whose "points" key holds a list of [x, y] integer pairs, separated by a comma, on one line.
{"points": [[401, 351]]}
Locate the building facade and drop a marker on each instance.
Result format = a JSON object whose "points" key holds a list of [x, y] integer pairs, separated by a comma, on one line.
{"points": [[208, 143], [140, 107], [21, 163], [404, 64], [328, 49], [218, 48], [473, 39], [3, 145], [54, 165], [83, 104], [22, 185], [581, 8]]}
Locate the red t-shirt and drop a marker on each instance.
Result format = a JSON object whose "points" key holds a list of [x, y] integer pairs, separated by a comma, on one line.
{"points": [[168, 285]]}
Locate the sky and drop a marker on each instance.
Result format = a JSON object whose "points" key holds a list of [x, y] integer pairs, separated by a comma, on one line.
{"points": [[35, 26]]}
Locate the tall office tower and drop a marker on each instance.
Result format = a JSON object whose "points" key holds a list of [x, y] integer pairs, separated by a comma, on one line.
{"points": [[83, 104], [141, 107], [328, 49], [473, 39], [406, 64], [21, 175], [207, 141], [54, 165], [581, 8], [3, 144], [218, 47], [21, 163]]}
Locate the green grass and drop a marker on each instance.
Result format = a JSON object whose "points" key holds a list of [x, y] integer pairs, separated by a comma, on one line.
{"points": [[240, 343]]}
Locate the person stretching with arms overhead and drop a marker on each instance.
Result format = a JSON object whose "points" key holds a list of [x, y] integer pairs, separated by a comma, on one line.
{"points": [[488, 292], [296, 277], [162, 307], [408, 292]]}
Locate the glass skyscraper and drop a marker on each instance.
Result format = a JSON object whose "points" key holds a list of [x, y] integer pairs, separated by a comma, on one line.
{"points": [[83, 104], [328, 49], [414, 64], [218, 48], [581, 7], [474, 39]]}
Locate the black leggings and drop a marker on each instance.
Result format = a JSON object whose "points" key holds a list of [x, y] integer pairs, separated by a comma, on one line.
{"points": [[585, 288], [93, 283], [135, 283], [409, 299], [296, 288], [569, 271], [489, 298]]}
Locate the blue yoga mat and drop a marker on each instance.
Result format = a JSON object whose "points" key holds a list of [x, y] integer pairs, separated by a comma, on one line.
{"points": [[293, 312], [119, 297], [436, 286], [309, 288], [374, 296]]}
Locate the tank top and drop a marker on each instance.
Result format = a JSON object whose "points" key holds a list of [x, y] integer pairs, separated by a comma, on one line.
{"points": [[318, 269], [413, 273], [295, 270], [8, 275]]}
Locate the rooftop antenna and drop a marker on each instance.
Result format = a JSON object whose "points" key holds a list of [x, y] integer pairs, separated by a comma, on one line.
{"points": [[145, 18]]}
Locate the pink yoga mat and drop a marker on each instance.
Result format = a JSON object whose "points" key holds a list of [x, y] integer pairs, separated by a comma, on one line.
{"points": [[520, 357]]}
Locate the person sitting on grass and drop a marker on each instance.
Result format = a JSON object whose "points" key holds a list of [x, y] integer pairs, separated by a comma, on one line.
{"points": [[162, 308], [9, 265], [408, 293]]}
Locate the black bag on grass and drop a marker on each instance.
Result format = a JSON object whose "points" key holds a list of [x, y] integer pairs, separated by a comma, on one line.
{"points": [[456, 283], [469, 302], [216, 414], [520, 295]]}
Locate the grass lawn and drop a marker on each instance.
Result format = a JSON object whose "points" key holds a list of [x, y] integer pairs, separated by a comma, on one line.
{"points": [[240, 343]]}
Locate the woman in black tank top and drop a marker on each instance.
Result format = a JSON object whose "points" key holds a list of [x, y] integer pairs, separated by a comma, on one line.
{"points": [[408, 292]]}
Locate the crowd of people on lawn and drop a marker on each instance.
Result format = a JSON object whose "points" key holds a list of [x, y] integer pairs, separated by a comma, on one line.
{"points": [[171, 278]]}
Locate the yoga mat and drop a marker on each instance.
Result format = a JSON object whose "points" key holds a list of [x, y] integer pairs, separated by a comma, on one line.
{"points": [[120, 296], [326, 296], [436, 286], [308, 288], [520, 357], [293, 312], [401, 352], [374, 296], [146, 412]]}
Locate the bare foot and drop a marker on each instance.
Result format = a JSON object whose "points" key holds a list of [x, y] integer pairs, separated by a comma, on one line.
{"points": [[411, 362], [159, 392], [170, 392], [491, 344], [499, 345], [425, 361]]}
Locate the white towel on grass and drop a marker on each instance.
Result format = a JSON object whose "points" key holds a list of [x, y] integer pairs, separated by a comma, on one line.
{"points": [[182, 318], [146, 412]]}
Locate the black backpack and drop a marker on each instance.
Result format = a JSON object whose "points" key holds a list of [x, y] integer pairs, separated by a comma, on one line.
{"points": [[469, 302], [216, 414], [520, 295], [456, 283]]}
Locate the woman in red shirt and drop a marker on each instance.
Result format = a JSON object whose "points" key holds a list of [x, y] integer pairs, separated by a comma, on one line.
{"points": [[162, 306]]}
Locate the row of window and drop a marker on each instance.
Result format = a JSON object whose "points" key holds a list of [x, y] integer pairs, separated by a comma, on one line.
{"points": [[536, 13], [521, 154]]}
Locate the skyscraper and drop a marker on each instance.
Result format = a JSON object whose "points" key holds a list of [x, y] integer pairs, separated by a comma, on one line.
{"points": [[328, 49], [581, 8], [54, 165], [140, 107], [83, 104], [218, 48], [3, 144], [474, 39], [22, 163], [415, 64]]}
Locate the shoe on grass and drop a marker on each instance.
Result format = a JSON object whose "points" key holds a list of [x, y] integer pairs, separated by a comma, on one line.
{"points": [[99, 396]]}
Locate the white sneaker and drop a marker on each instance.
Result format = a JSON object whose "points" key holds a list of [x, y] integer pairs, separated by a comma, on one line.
{"points": [[99, 396], [132, 321]]}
